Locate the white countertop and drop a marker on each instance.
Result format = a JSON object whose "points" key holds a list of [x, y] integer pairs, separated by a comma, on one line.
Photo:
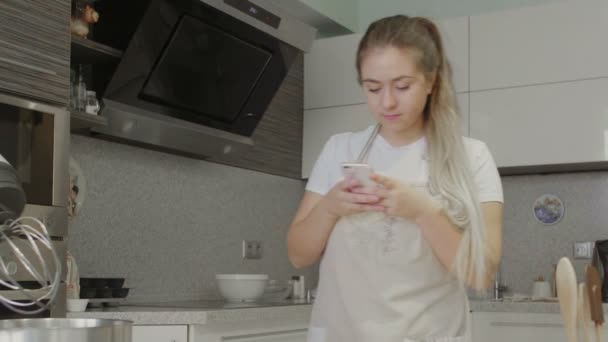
{"points": [[203, 312], [198, 312], [517, 306]]}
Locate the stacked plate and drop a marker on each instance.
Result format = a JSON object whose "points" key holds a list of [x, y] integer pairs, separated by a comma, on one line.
{"points": [[103, 291]]}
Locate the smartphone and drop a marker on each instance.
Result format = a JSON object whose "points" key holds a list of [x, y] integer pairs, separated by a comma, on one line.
{"points": [[358, 171]]}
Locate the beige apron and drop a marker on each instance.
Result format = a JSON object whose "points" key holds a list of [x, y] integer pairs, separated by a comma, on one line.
{"points": [[381, 282]]}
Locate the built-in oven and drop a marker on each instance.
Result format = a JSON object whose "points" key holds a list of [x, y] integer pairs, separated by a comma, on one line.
{"points": [[34, 139]]}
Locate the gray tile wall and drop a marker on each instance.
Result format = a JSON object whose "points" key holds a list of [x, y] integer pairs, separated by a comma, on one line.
{"points": [[169, 224], [530, 248]]}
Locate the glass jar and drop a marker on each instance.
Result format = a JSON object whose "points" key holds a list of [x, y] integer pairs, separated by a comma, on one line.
{"points": [[92, 104]]}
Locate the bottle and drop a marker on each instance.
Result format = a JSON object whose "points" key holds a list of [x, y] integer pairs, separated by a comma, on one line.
{"points": [[296, 287], [302, 285], [81, 90], [73, 89]]}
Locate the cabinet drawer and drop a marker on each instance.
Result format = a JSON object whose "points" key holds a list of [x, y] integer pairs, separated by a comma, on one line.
{"points": [[160, 333], [35, 49]]}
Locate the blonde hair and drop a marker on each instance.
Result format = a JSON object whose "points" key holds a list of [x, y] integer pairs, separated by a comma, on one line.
{"points": [[450, 174]]}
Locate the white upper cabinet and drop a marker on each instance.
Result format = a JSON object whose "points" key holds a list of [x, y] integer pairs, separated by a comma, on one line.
{"points": [[330, 75], [320, 124], [546, 124], [455, 34], [555, 42]]}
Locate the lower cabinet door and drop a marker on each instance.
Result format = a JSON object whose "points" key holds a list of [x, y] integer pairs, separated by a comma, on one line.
{"points": [[520, 327], [160, 333], [278, 336]]}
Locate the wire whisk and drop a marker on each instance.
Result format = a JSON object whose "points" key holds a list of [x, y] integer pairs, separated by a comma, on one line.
{"points": [[23, 237]]}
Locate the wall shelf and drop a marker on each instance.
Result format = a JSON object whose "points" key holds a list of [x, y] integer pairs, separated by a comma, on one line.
{"points": [[86, 51], [81, 121]]}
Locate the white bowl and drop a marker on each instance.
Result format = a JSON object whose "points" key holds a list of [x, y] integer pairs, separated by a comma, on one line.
{"points": [[77, 305], [241, 287], [277, 290]]}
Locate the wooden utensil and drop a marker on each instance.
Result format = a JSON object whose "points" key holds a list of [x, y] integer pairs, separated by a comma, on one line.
{"points": [[567, 294], [594, 289], [584, 314]]}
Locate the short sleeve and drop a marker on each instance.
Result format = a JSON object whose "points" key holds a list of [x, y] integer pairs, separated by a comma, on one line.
{"points": [[320, 180], [486, 175]]}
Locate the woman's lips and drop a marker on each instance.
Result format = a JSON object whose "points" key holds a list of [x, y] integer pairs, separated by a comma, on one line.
{"points": [[391, 117]]}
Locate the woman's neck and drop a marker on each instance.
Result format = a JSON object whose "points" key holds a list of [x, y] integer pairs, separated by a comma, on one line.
{"points": [[403, 137]]}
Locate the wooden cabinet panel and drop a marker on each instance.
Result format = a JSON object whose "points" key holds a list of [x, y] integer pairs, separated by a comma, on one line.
{"points": [[35, 49]]}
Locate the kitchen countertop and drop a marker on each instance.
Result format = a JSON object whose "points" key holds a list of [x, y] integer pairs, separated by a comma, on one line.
{"points": [[204, 312], [518, 306], [199, 312]]}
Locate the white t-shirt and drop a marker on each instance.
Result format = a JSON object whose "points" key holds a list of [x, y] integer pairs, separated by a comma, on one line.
{"points": [[345, 147]]}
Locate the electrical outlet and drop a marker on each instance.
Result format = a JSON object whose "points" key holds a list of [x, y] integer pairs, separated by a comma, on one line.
{"points": [[583, 250], [252, 249]]}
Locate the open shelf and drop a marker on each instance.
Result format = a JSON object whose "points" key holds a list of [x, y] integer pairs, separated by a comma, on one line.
{"points": [[86, 51], [80, 120]]}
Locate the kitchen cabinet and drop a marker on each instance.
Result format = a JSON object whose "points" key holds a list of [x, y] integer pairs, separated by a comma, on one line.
{"points": [[320, 124], [258, 330], [557, 123], [555, 42], [455, 35], [35, 49], [520, 327], [330, 75], [270, 336], [333, 100], [160, 333]]}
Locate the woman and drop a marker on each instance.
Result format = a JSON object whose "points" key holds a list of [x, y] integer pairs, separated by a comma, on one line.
{"points": [[397, 256]]}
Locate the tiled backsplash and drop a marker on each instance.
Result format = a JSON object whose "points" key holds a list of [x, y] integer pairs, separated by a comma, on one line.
{"points": [[530, 248], [169, 223]]}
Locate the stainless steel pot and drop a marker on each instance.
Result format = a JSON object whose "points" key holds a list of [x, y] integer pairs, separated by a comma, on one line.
{"points": [[65, 329]]}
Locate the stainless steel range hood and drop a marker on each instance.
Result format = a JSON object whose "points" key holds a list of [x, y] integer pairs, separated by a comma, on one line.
{"points": [[135, 124], [164, 94]]}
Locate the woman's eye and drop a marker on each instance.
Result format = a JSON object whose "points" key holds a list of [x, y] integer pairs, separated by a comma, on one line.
{"points": [[374, 90], [403, 87]]}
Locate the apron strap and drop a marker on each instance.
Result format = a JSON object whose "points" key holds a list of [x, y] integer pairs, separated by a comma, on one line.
{"points": [[368, 145]]}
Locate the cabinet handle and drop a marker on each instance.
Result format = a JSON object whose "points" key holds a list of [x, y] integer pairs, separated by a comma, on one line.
{"points": [[28, 66], [533, 325], [269, 334]]}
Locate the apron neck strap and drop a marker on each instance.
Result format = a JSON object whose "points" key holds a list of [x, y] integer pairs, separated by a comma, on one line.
{"points": [[368, 145]]}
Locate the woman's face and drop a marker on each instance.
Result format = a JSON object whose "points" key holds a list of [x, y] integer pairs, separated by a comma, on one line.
{"points": [[396, 89]]}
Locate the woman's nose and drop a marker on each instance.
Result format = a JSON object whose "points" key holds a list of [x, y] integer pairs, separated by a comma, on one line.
{"points": [[388, 99]]}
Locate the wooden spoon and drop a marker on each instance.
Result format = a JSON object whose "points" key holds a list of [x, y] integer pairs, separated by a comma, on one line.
{"points": [[594, 289], [565, 279], [584, 313]]}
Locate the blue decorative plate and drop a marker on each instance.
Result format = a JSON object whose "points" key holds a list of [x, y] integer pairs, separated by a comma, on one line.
{"points": [[548, 209]]}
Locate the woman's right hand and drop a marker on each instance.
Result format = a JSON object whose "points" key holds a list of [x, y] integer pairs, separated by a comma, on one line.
{"points": [[342, 201]]}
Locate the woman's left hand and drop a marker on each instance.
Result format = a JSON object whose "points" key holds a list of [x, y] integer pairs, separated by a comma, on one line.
{"points": [[403, 200]]}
